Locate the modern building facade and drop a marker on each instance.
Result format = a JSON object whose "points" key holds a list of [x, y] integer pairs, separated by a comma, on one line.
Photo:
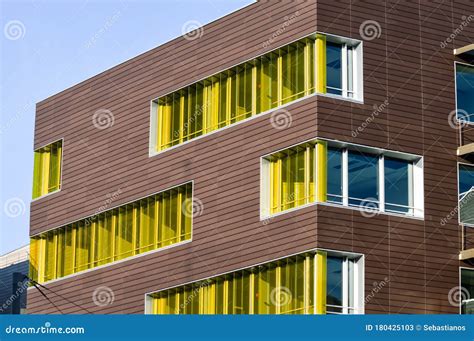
{"points": [[13, 282], [304, 157]]}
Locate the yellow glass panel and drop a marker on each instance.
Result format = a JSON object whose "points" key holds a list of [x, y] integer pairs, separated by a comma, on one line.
{"points": [[148, 230], [320, 51], [301, 193], [309, 175], [253, 87], [321, 170], [47, 169], [69, 241], [86, 246], [321, 281], [265, 286], [174, 223], [34, 258], [61, 249], [286, 286], [131, 229], [50, 255], [37, 173], [291, 178]]}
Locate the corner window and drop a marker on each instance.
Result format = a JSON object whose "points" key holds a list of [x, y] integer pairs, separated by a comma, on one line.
{"points": [[464, 92], [342, 174], [318, 63], [292, 178], [47, 169], [315, 282]]}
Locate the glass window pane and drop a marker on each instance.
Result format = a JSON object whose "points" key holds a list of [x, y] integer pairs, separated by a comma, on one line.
{"points": [[334, 69], [466, 178], [334, 298], [464, 91], [363, 180], [334, 175], [69, 251], [466, 195], [398, 183]]}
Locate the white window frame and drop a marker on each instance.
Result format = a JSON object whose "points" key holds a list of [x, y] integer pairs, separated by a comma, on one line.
{"points": [[417, 180], [61, 172], [357, 285], [357, 67]]}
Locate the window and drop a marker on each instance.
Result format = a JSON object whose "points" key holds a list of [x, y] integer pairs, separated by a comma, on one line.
{"points": [[47, 169], [467, 291], [466, 194], [334, 68], [343, 174], [398, 185], [334, 173], [340, 282], [147, 224], [363, 179], [301, 284], [315, 64], [464, 92], [292, 178]]}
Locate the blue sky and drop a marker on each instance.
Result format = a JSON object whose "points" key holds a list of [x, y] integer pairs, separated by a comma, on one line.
{"points": [[48, 46]]}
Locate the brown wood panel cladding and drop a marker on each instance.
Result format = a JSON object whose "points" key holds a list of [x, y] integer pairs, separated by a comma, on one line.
{"points": [[406, 66]]}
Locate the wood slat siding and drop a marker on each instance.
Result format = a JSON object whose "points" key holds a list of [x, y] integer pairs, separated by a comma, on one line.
{"points": [[415, 259]]}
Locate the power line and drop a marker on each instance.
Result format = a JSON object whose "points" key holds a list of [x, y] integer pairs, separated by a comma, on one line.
{"points": [[38, 285]]}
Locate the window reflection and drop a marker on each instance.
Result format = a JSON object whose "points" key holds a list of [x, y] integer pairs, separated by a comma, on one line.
{"points": [[334, 70], [334, 175], [464, 91], [398, 196], [363, 180]]}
